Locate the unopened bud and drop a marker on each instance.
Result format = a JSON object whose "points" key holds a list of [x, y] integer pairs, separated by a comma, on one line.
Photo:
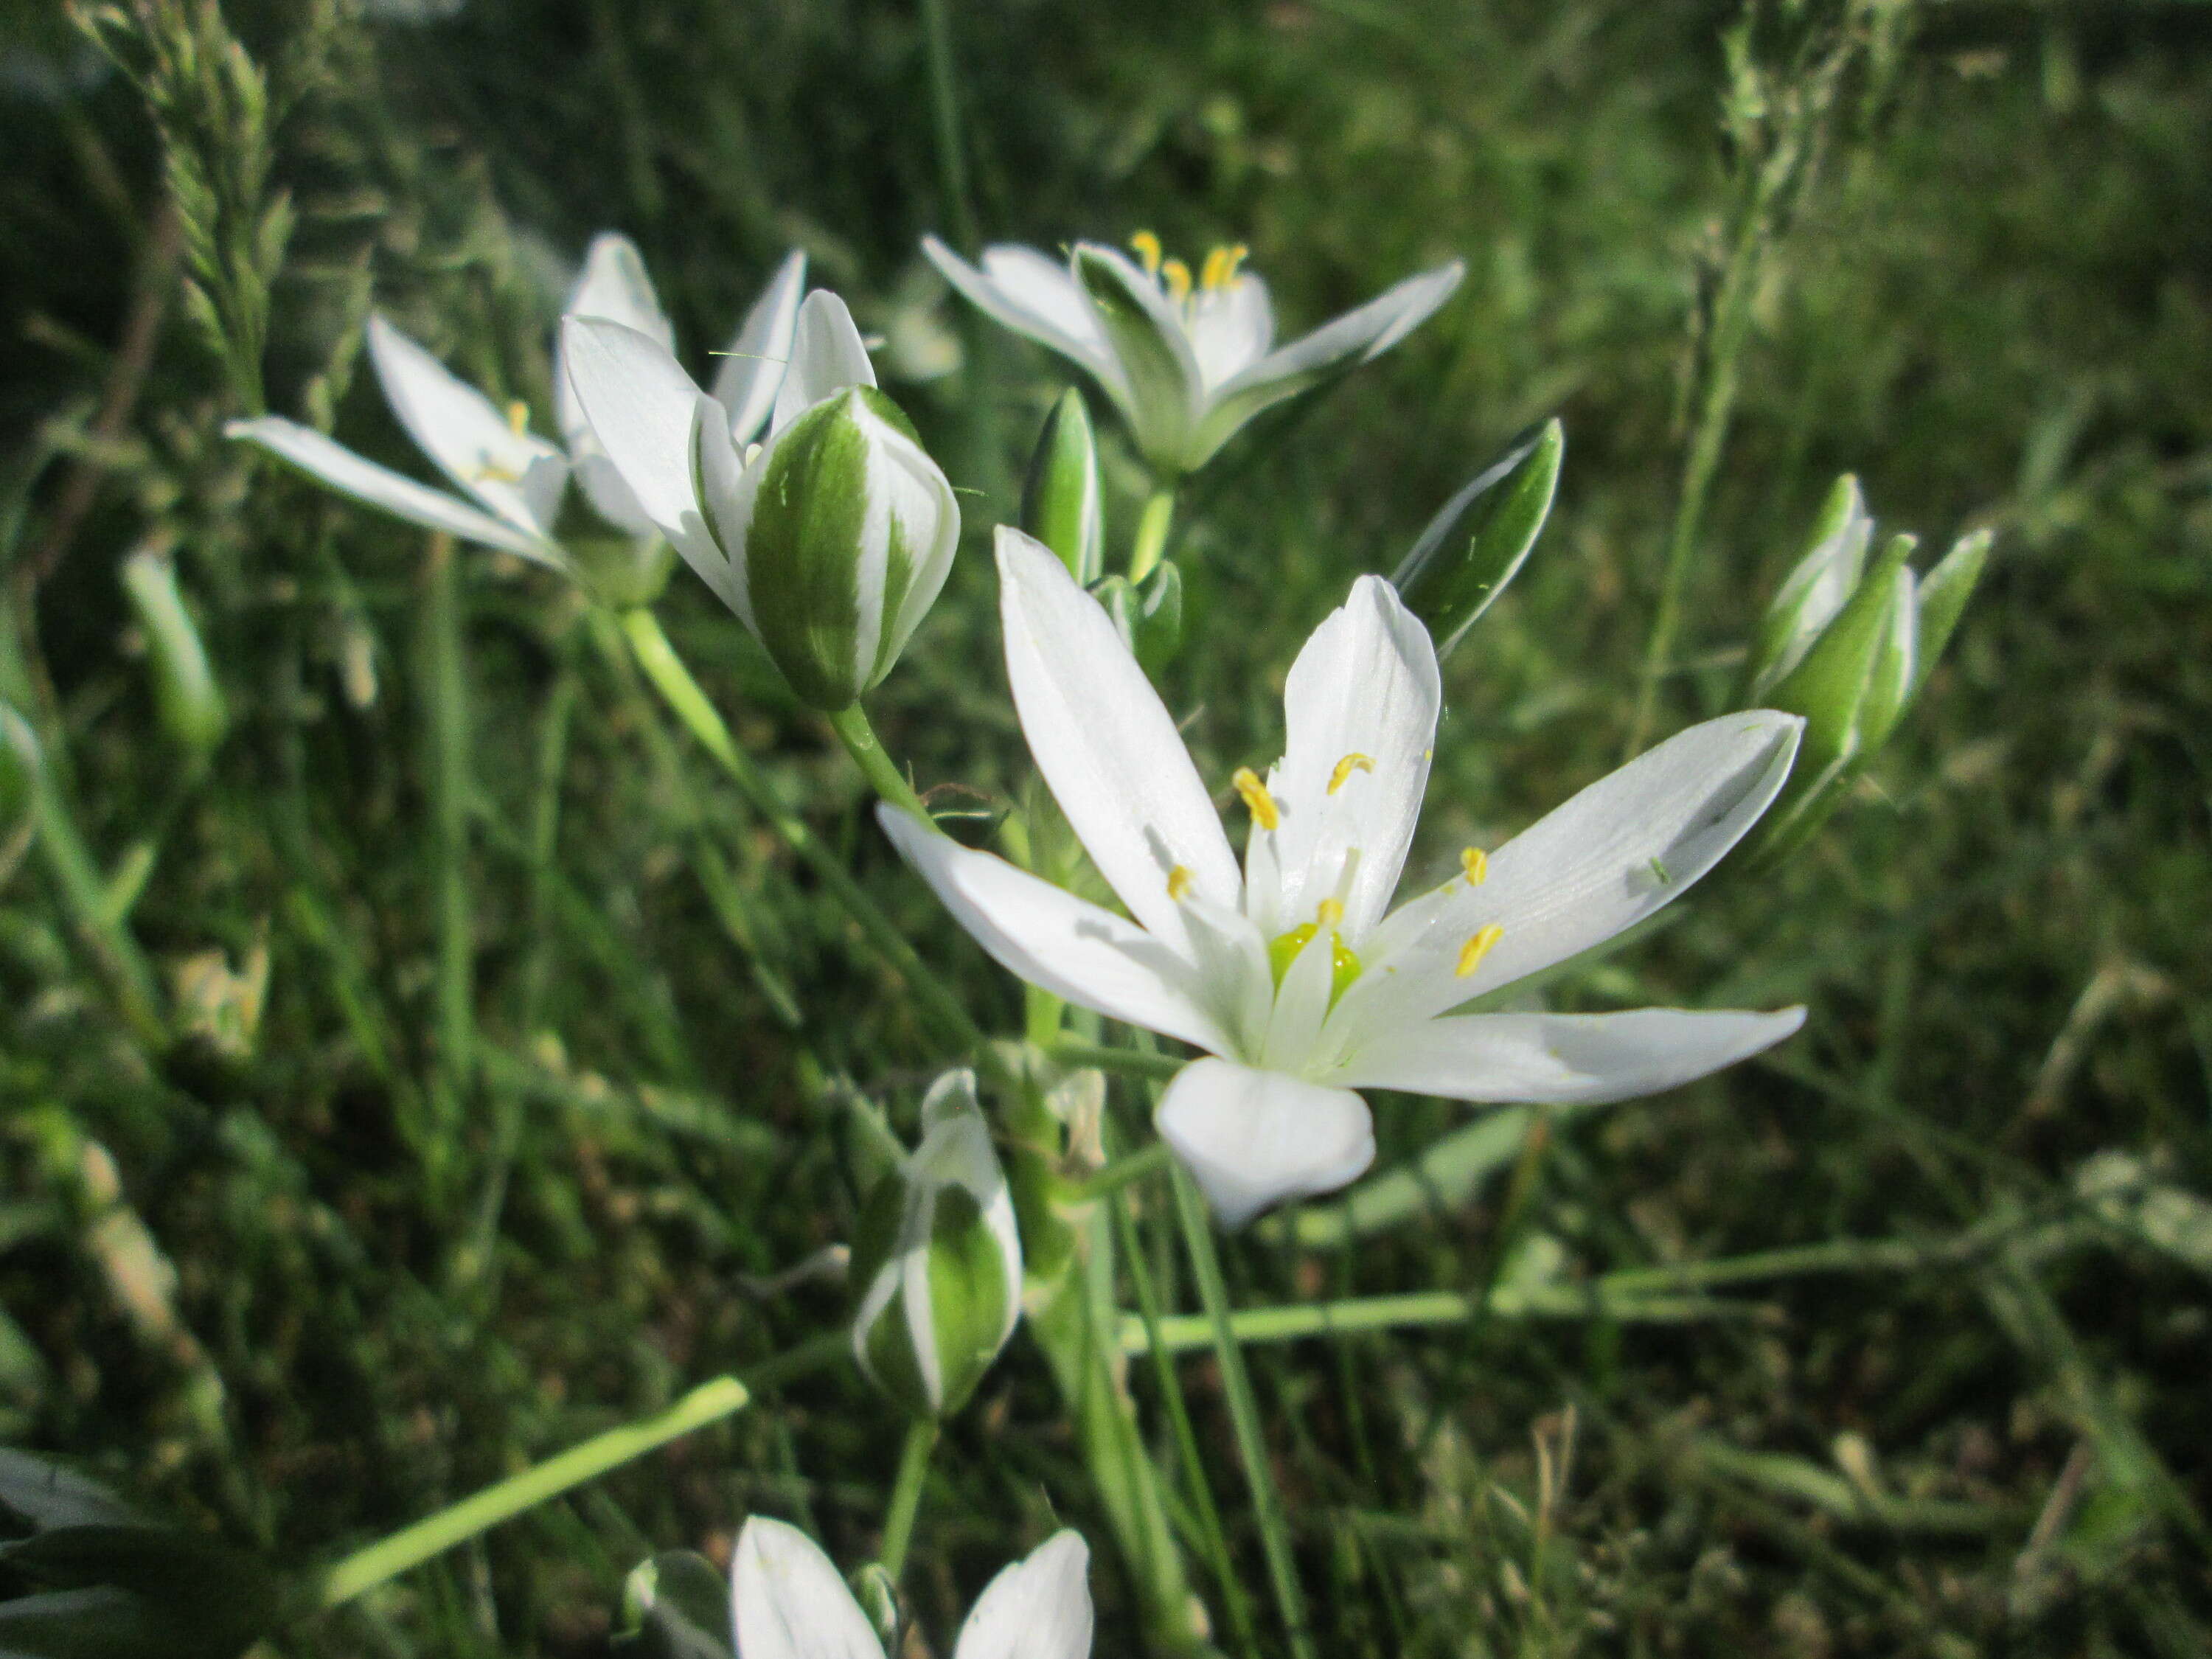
{"points": [[1479, 541], [1815, 589], [1060, 497], [186, 695], [1148, 614]]}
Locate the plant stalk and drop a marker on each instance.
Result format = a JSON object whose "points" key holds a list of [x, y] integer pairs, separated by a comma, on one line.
{"points": [[883, 776], [906, 1495]]}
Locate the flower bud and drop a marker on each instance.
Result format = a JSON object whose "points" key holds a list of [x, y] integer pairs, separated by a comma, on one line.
{"points": [[1148, 614], [1477, 543], [1943, 599], [1813, 592], [186, 695], [1060, 499], [839, 536], [938, 1263]]}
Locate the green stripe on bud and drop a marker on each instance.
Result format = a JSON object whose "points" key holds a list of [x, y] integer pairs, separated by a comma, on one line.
{"points": [[1477, 542], [1060, 497], [938, 1263], [1814, 589], [186, 697], [1943, 596]]}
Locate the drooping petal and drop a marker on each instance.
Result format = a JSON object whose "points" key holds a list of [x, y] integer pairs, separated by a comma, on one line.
{"points": [[1107, 746], [516, 477], [1231, 329], [1360, 707], [644, 409], [1021, 289], [1630, 843], [1056, 941], [827, 356], [613, 284], [353, 475], [787, 1601], [1254, 1138], [1038, 1608], [754, 363], [1564, 1059], [1357, 337]]}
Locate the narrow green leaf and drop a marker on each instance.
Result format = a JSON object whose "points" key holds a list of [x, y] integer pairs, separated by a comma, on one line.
{"points": [[1479, 541]]}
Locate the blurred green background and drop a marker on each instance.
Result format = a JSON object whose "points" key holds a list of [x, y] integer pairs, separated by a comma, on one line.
{"points": [[1987, 290]]}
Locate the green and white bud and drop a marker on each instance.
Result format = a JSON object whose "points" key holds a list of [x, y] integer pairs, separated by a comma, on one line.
{"points": [[1479, 539], [1060, 496], [938, 1263], [1813, 592], [186, 697]]}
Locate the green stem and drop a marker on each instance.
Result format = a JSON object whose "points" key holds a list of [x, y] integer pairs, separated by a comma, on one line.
{"points": [[1130, 1062], [1153, 532], [390, 1557], [661, 666], [866, 749], [1244, 1413], [446, 718], [1122, 1171], [906, 1495], [944, 117], [1187, 1333]]}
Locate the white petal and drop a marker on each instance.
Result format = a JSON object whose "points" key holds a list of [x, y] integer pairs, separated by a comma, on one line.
{"points": [[1231, 329], [1164, 392], [905, 487], [1021, 289], [612, 284], [1105, 744], [1565, 1058], [753, 365], [1054, 941], [335, 465], [1254, 1138], [643, 408], [827, 356], [787, 1601], [518, 477], [1362, 697], [1301, 1005], [1039, 1609], [1628, 844]]}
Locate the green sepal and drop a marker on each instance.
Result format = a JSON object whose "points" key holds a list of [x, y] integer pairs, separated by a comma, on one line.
{"points": [[1476, 544], [968, 1295], [1148, 615], [675, 1606], [1818, 585], [1943, 595], [1060, 496], [1160, 383]]}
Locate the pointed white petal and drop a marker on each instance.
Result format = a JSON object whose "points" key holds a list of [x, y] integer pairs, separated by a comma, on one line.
{"points": [[1144, 331], [1361, 709], [643, 408], [1623, 848], [335, 465], [1357, 337], [1252, 1139], [1565, 1058], [908, 488], [1231, 329], [612, 284], [518, 477], [787, 1600], [1021, 289], [753, 365], [1105, 744], [1301, 1005], [827, 356], [1054, 941], [1039, 1609]]}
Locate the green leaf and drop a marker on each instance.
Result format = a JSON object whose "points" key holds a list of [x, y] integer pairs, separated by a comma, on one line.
{"points": [[1479, 541], [676, 1606], [213, 1601]]}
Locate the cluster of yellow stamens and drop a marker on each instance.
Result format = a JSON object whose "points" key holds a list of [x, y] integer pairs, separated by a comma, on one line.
{"points": [[1257, 801], [1219, 272], [1346, 767], [517, 422], [1472, 953]]}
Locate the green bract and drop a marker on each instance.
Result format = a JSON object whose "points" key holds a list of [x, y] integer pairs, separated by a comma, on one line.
{"points": [[1476, 544], [938, 1261]]}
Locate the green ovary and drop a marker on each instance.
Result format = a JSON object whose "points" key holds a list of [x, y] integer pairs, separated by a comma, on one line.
{"points": [[1343, 963]]}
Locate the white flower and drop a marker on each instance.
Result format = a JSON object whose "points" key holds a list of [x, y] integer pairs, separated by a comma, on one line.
{"points": [[787, 1602], [1290, 975], [830, 541], [1186, 362], [509, 482]]}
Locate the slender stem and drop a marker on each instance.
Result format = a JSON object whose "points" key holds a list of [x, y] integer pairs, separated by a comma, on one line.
{"points": [[866, 749], [1153, 532], [658, 659], [945, 115], [445, 719], [1130, 1062], [1123, 1171], [1215, 1538], [388, 1558], [1187, 1333], [1244, 1413], [906, 1495]]}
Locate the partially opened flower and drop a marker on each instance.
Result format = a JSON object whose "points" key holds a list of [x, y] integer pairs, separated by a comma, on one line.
{"points": [[830, 540], [1294, 976], [1187, 363], [787, 1602], [506, 482]]}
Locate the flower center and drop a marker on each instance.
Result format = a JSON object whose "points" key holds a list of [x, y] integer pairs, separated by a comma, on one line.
{"points": [[1216, 274], [1344, 961]]}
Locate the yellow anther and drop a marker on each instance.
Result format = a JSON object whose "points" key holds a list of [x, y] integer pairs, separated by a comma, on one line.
{"points": [[1476, 863], [489, 473], [1179, 880], [518, 418], [1178, 279], [1148, 251], [1257, 801], [1220, 268], [1328, 913], [1472, 953], [1346, 767]]}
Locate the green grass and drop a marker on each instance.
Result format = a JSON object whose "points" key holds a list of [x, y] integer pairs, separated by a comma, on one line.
{"points": [[305, 1290]]}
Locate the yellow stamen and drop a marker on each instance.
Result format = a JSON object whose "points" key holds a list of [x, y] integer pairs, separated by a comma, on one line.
{"points": [[1346, 767], [1476, 863], [1178, 279], [1257, 801], [1179, 880], [1472, 953], [1220, 268], [489, 473], [1328, 913], [1148, 251], [518, 418]]}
